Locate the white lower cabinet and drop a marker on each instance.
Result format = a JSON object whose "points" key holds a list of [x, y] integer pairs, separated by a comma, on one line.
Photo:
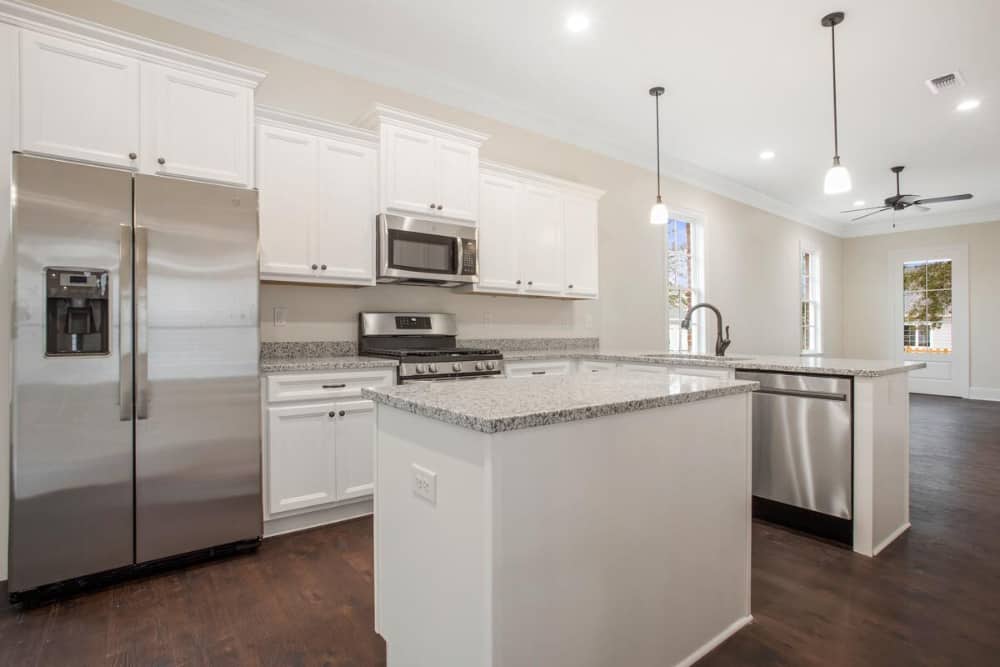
{"points": [[319, 450], [520, 369], [644, 369], [597, 367]]}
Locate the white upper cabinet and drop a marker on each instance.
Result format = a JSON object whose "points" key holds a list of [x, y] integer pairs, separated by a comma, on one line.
{"points": [[541, 245], [347, 209], [78, 101], [499, 234], [580, 242], [318, 200], [537, 235], [110, 98], [196, 126], [428, 168], [287, 178]]}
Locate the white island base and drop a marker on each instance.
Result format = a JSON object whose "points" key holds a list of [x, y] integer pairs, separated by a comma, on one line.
{"points": [[618, 540]]}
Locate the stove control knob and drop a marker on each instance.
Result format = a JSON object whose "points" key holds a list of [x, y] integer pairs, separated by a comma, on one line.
{"points": [[457, 367], [480, 366], [491, 365], [421, 369], [433, 368]]}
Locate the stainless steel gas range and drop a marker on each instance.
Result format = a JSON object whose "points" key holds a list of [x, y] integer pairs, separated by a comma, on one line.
{"points": [[424, 344]]}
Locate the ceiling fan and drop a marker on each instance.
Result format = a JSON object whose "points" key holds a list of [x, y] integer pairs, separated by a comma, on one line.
{"points": [[898, 201]]}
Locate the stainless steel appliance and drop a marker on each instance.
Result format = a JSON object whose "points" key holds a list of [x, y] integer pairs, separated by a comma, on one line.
{"points": [[412, 251], [424, 343], [803, 452], [135, 414]]}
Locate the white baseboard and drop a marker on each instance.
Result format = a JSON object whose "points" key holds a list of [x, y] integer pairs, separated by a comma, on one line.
{"points": [[705, 648], [305, 520], [984, 393], [889, 540]]}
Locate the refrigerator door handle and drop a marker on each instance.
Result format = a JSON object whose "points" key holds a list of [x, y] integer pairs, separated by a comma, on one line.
{"points": [[141, 323], [125, 324]]}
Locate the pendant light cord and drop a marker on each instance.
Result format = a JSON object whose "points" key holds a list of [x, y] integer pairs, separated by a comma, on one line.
{"points": [[833, 51], [657, 148]]}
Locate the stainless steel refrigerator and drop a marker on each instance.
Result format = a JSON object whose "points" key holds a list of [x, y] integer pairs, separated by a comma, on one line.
{"points": [[135, 417]]}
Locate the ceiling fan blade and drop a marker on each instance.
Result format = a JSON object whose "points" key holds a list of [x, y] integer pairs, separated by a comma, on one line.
{"points": [[870, 208], [936, 200], [884, 208]]}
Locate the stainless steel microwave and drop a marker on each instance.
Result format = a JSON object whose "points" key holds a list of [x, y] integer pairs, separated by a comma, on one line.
{"points": [[413, 251]]}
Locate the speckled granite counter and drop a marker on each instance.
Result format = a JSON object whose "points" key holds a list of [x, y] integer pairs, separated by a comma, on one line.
{"points": [[290, 357], [817, 365], [495, 405]]}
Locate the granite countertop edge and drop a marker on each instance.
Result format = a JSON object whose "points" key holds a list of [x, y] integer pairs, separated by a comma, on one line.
{"points": [[350, 362], [504, 423]]}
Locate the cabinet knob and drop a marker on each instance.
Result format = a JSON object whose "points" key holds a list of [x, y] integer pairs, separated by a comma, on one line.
{"points": [[433, 205], [518, 282], [132, 156], [571, 285], [342, 413], [530, 282], [324, 268], [160, 160], [440, 207], [314, 267], [332, 413]]}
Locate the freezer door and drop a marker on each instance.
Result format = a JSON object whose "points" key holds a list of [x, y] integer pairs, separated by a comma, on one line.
{"points": [[71, 432], [802, 441], [197, 389]]}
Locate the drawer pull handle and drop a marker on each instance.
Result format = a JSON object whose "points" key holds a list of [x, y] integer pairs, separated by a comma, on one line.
{"points": [[334, 386], [538, 372]]}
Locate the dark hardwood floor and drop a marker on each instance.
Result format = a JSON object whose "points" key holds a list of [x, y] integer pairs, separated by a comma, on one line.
{"points": [[932, 598]]}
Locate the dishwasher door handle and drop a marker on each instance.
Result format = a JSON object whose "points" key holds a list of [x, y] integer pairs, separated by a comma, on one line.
{"points": [[798, 393]]}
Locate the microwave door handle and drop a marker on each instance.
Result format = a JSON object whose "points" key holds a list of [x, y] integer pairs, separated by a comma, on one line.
{"points": [[459, 256]]}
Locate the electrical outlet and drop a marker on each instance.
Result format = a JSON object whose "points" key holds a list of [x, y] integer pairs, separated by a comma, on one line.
{"points": [[425, 484], [280, 316]]}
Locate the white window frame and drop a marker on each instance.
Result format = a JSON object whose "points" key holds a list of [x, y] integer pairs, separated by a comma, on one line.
{"points": [[696, 219], [815, 297]]}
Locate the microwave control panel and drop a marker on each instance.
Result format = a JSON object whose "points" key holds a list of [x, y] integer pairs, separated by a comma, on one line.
{"points": [[469, 259]]}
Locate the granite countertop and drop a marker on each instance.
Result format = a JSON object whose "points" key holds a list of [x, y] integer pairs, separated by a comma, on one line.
{"points": [[331, 363], [497, 405], [789, 364]]}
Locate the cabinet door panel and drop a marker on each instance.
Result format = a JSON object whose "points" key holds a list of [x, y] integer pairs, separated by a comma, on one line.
{"points": [[409, 180], [355, 447], [347, 208], [541, 214], [78, 102], [498, 234], [458, 177], [580, 242], [286, 171], [300, 457], [199, 127]]}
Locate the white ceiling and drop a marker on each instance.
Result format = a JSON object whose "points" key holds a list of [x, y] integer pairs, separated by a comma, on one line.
{"points": [[741, 77]]}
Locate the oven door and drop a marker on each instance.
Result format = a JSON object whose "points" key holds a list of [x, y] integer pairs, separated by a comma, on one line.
{"points": [[415, 251]]}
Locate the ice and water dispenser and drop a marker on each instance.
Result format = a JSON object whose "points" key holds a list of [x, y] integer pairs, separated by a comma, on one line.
{"points": [[77, 308]]}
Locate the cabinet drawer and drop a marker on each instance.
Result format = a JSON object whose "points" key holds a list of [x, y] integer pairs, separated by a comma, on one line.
{"points": [[285, 387], [597, 367], [519, 369]]}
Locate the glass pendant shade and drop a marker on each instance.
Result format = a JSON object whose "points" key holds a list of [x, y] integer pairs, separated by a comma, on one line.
{"points": [[838, 179], [659, 215]]}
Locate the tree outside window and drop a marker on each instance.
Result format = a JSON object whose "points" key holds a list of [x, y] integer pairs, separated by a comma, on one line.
{"points": [[684, 283], [927, 307]]}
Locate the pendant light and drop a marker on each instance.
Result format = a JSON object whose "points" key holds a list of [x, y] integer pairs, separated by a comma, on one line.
{"points": [[837, 180], [658, 215]]}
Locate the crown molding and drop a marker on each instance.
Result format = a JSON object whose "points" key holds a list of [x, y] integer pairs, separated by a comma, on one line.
{"points": [[916, 221], [23, 15], [291, 120], [383, 113], [499, 169]]}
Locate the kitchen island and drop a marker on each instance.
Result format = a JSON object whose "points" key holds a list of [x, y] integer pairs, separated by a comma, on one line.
{"points": [[578, 521]]}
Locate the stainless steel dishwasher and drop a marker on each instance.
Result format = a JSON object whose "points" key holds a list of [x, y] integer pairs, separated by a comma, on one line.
{"points": [[803, 452]]}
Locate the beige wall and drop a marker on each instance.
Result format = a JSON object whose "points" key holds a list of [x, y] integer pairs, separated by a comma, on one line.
{"points": [[752, 256], [867, 299]]}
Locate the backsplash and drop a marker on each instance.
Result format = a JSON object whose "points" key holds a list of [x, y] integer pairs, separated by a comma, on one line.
{"points": [[530, 344], [292, 350]]}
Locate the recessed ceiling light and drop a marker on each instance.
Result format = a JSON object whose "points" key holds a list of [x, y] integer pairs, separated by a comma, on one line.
{"points": [[577, 22], [967, 105], [860, 202], [767, 155]]}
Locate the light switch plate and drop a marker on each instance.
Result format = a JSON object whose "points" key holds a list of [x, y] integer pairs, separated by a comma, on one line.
{"points": [[280, 316], [424, 484]]}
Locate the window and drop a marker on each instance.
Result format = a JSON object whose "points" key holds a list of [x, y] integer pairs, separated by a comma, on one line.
{"points": [[927, 311], [685, 281], [809, 291]]}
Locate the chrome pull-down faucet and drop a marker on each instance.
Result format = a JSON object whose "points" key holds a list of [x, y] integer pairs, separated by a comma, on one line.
{"points": [[721, 343]]}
